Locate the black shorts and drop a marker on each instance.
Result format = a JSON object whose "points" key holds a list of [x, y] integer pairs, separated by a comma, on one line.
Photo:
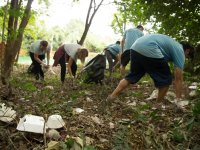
{"points": [[157, 68], [125, 57]]}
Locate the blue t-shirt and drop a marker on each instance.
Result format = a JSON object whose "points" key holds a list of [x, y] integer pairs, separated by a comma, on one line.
{"points": [[130, 36], [160, 46], [114, 49]]}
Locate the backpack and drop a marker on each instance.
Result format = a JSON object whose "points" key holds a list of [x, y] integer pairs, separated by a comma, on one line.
{"points": [[94, 70]]}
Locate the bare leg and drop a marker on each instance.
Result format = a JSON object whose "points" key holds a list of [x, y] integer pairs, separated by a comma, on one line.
{"points": [[161, 93], [121, 86]]}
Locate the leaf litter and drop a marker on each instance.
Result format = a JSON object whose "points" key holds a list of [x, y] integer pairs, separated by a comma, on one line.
{"points": [[132, 122]]}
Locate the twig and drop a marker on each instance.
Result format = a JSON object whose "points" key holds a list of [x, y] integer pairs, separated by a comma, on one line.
{"points": [[11, 141], [27, 139], [44, 131]]}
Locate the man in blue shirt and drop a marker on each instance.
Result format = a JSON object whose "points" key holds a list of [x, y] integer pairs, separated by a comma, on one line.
{"points": [[112, 53], [129, 37], [151, 54]]}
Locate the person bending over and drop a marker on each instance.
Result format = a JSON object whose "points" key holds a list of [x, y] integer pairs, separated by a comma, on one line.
{"points": [[69, 53], [151, 54]]}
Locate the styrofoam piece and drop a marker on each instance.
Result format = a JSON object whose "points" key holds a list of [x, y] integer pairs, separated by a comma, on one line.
{"points": [[182, 103], [193, 93], [55, 122], [193, 87], [77, 111], [154, 95], [7, 114], [32, 123]]}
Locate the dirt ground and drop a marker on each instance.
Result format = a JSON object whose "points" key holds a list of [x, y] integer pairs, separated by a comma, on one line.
{"points": [[128, 123]]}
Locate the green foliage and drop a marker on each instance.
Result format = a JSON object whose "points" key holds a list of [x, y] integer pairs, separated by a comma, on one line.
{"points": [[138, 116], [76, 94], [178, 19], [136, 94], [94, 44], [190, 123], [196, 109], [59, 35], [119, 141], [1, 12], [69, 142], [194, 117], [177, 135], [26, 86], [154, 115]]}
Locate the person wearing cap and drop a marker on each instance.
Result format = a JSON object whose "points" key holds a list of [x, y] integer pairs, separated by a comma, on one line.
{"points": [[151, 54], [112, 53], [69, 53], [37, 53], [129, 37]]}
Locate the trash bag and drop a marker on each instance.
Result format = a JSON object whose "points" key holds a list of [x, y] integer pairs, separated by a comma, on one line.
{"points": [[94, 70]]}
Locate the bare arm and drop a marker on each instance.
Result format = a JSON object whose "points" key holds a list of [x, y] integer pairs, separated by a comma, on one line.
{"points": [[178, 74], [69, 66], [38, 60], [48, 57]]}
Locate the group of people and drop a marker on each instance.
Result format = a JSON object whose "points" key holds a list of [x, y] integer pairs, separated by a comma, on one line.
{"points": [[150, 54], [67, 53], [146, 53], [119, 55]]}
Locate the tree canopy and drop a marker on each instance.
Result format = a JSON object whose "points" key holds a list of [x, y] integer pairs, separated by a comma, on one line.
{"points": [[179, 19]]}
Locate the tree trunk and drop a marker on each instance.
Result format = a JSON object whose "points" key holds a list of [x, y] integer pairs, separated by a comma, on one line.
{"points": [[14, 43], [89, 19], [83, 37]]}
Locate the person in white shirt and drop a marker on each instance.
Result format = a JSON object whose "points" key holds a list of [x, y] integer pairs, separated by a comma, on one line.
{"points": [[69, 53], [37, 53]]}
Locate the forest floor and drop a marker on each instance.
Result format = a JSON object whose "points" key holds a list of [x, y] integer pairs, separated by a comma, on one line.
{"points": [[128, 123]]}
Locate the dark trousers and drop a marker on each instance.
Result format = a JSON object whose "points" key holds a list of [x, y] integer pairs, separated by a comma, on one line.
{"points": [[37, 69], [110, 57], [62, 63]]}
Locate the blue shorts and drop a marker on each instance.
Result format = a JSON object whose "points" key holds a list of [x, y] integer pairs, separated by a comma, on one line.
{"points": [[157, 68]]}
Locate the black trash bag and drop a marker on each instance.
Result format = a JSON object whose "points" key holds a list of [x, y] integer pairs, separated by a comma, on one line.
{"points": [[94, 70]]}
